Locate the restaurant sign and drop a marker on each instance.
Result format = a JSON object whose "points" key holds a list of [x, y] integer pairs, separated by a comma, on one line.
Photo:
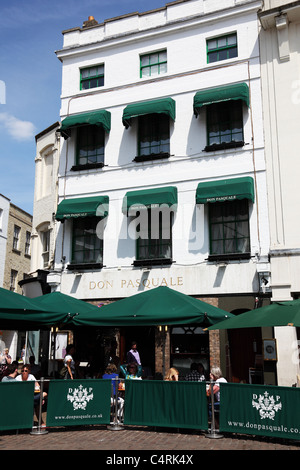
{"points": [[260, 410], [74, 402]]}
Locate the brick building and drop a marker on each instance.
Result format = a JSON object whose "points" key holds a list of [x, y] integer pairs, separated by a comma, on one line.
{"points": [[18, 251], [16, 226]]}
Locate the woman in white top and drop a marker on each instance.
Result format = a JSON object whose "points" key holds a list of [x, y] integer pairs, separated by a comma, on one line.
{"points": [[217, 377], [26, 376], [69, 362]]}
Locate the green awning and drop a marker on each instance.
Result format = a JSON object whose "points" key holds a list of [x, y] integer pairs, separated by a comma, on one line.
{"points": [[161, 106], [276, 314], [238, 91], [159, 306], [225, 190], [82, 207], [150, 198], [101, 117]]}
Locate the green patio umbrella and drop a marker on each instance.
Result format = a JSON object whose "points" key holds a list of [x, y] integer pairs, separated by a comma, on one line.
{"points": [[19, 312], [11, 301], [66, 304], [275, 314], [159, 306]]}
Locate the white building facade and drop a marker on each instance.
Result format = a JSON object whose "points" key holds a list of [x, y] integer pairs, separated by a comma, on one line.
{"points": [[164, 107]]}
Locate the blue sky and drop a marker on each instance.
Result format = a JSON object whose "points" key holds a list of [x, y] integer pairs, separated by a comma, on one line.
{"points": [[30, 78]]}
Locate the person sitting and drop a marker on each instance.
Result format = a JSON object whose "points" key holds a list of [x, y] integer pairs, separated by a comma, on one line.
{"points": [[131, 371], [26, 376], [172, 375], [195, 375], [111, 373], [217, 377], [11, 372], [34, 368]]}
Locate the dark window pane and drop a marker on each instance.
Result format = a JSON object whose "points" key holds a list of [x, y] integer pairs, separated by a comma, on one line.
{"points": [[231, 233], [90, 145], [87, 246], [232, 52], [212, 57], [154, 134]]}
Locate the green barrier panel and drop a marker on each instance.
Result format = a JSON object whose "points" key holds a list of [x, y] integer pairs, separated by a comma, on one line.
{"points": [[170, 404], [16, 405], [75, 402], [263, 410]]}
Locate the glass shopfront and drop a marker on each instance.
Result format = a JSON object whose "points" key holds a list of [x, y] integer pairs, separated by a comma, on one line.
{"points": [[189, 344]]}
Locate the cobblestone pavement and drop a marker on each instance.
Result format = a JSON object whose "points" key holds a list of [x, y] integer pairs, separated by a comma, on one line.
{"points": [[135, 439]]}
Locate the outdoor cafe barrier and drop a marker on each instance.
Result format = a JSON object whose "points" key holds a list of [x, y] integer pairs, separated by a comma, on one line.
{"points": [[261, 410]]}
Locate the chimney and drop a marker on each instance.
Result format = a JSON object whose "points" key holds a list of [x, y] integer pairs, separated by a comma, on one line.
{"points": [[90, 22]]}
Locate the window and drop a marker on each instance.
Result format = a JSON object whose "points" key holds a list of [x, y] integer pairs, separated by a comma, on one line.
{"points": [[16, 237], [90, 147], [221, 48], [87, 243], [13, 280], [225, 124], [153, 136], [154, 242], [92, 77], [27, 243], [45, 238], [153, 64], [229, 228]]}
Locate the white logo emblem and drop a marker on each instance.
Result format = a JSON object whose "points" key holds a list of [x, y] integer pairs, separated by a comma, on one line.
{"points": [[80, 397], [267, 405]]}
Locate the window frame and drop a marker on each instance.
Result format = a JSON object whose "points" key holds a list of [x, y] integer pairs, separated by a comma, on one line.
{"points": [[87, 223], [240, 207], [230, 107], [45, 244], [95, 131], [152, 244], [27, 249], [97, 77], [154, 125], [218, 50], [151, 66], [13, 280], [16, 238]]}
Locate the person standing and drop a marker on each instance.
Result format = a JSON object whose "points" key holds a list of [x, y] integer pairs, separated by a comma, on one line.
{"points": [[133, 354]]}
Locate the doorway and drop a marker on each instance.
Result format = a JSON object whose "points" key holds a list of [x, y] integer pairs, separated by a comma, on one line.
{"points": [[145, 340], [245, 352]]}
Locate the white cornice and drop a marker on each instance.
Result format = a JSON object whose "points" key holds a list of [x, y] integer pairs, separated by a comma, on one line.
{"points": [[173, 26]]}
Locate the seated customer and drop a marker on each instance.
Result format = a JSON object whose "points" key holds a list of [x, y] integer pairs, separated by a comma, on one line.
{"points": [[172, 375], [11, 373], [34, 368], [196, 374], [111, 373], [132, 372], [217, 377], [26, 376]]}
